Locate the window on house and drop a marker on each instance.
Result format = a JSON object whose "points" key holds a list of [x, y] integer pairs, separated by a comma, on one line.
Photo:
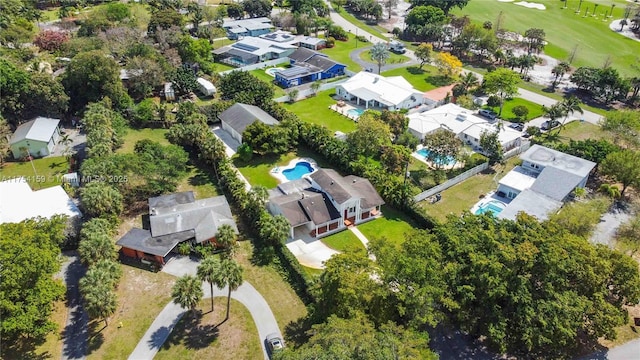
{"points": [[352, 209]]}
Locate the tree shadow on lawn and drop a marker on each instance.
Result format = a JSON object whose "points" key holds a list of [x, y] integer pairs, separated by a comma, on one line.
{"points": [[202, 177], [257, 160], [439, 80], [96, 338], [191, 332], [415, 70]]}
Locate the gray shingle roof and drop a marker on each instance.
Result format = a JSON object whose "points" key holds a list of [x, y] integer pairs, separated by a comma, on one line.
{"points": [[342, 189], [141, 240], [170, 200], [321, 62], [38, 129], [240, 116], [532, 203], [304, 206], [556, 183], [303, 54]]}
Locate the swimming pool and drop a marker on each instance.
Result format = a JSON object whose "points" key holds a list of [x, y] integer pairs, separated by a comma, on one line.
{"points": [[355, 112], [273, 71], [301, 168], [494, 207], [448, 160]]}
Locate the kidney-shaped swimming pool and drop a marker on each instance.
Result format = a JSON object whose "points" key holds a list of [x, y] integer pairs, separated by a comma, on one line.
{"points": [[300, 169]]}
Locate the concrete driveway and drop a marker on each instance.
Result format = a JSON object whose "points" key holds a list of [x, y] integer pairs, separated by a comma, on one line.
{"points": [[309, 251]]}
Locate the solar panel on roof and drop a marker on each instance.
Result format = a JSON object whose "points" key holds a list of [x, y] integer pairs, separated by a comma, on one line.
{"points": [[246, 47]]}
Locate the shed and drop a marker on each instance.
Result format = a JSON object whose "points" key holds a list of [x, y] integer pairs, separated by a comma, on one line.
{"points": [[206, 87], [238, 117], [169, 93], [37, 137]]}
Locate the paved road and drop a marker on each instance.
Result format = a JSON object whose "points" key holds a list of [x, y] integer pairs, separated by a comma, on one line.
{"points": [[75, 333], [355, 56], [164, 323]]}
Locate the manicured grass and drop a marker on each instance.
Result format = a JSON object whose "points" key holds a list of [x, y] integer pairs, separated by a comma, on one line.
{"points": [[391, 226], [393, 58], [577, 130], [371, 29], [535, 110], [425, 79], [282, 299], [260, 74], [538, 89], [344, 241], [48, 171], [316, 110], [340, 52], [462, 196], [220, 67], [258, 170], [134, 135], [207, 336], [311, 272], [141, 297], [564, 29], [201, 181]]}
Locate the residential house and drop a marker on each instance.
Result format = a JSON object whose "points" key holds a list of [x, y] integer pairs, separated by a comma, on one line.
{"points": [[174, 219], [312, 43], [375, 91], [253, 50], [325, 202], [462, 122], [279, 36], [239, 116], [438, 97], [237, 29], [19, 202], [37, 138], [308, 66], [544, 181]]}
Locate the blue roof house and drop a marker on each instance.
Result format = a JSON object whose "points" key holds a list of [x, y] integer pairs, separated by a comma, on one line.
{"points": [[308, 66]]}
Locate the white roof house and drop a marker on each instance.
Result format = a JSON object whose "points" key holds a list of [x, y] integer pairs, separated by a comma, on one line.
{"points": [[462, 122], [372, 90], [206, 87], [251, 50], [18, 202], [38, 137]]}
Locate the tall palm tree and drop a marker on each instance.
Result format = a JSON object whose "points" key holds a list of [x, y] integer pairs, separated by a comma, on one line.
{"points": [[97, 292], [226, 238], [379, 53], [569, 105], [187, 292], [559, 71], [229, 274], [207, 271], [552, 112]]}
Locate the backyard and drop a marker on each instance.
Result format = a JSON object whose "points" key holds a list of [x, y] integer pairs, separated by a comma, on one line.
{"points": [[316, 110], [565, 29], [391, 226], [39, 173], [344, 241]]}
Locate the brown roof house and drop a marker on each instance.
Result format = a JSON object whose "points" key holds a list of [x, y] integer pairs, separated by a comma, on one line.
{"points": [[174, 219], [325, 202]]}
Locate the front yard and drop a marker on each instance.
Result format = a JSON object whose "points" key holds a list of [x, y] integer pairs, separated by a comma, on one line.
{"points": [[425, 79], [342, 50], [344, 241], [535, 110], [316, 110]]}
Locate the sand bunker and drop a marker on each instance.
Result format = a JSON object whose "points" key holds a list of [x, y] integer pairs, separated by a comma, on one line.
{"points": [[531, 5]]}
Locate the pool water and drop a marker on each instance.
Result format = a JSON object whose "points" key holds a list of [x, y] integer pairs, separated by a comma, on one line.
{"points": [[273, 71], [492, 207], [355, 112], [446, 161], [295, 173]]}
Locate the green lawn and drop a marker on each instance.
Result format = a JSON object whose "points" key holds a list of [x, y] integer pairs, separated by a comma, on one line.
{"points": [[316, 110], [464, 195], [201, 181], [48, 171], [577, 130], [535, 110], [260, 74], [220, 67], [393, 58], [207, 336], [425, 79], [371, 29], [134, 135], [344, 241], [392, 226], [258, 170], [340, 52], [565, 29]]}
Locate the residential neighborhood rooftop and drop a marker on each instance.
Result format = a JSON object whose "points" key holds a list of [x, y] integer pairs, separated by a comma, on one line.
{"points": [[240, 116], [386, 90], [38, 129]]}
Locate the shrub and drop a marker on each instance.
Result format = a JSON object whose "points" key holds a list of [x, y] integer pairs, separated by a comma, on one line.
{"points": [[493, 101], [337, 33], [362, 38], [331, 42], [50, 40], [520, 111]]}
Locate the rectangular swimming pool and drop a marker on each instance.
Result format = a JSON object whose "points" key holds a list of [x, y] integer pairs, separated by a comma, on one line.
{"points": [[424, 152]]}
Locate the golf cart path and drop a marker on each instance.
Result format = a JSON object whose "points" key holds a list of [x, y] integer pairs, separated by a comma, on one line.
{"points": [[164, 323]]}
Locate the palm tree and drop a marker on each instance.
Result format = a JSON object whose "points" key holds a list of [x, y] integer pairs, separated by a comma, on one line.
{"points": [[569, 105], [226, 238], [100, 300], [468, 81], [229, 274], [379, 53], [207, 271], [315, 86], [559, 71], [187, 292], [552, 112], [274, 229]]}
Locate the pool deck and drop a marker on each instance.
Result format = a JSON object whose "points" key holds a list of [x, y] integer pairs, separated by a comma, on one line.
{"points": [[277, 171], [274, 68], [417, 156], [344, 110], [492, 196]]}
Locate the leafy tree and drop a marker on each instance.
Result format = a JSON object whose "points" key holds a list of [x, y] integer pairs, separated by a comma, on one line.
{"points": [[257, 8], [521, 112], [161, 167], [503, 83], [259, 137], [624, 125], [207, 271], [422, 21], [581, 218], [117, 11], [44, 96], [423, 53], [164, 19], [187, 292], [51, 40], [235, 11], [100, 199], [490, 143], [242, 85], [380, 54], [448, 64], [184, 81], [443, 145], [397, 121], [605, 84], [558, 71], [14, 83], [92, 75], [535, 40], [395, 158], [99, 297], [245, 152], [369, 137], [588, 149], [29, 253], [445, 5], [337, 33], [622, 166], [145, 75], [629, 234], [229, 274]]}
